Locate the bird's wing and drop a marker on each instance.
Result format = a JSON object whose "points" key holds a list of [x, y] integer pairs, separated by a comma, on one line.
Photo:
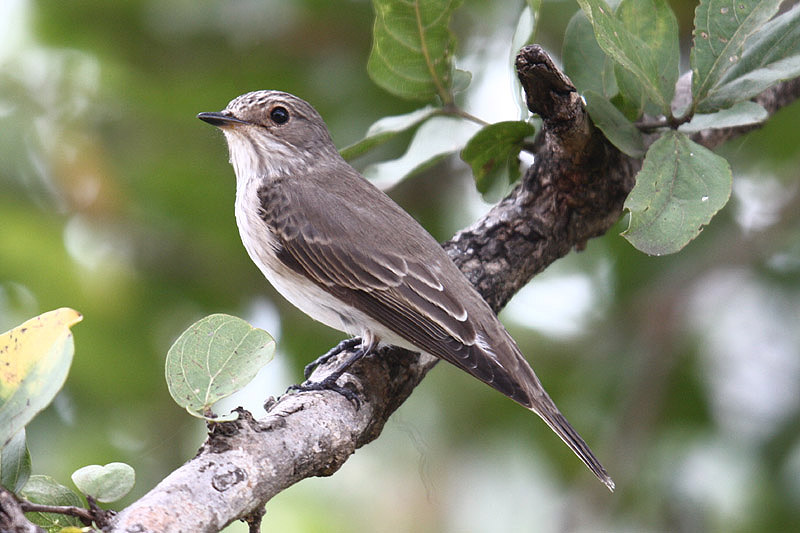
{"points": [[403, 292]]}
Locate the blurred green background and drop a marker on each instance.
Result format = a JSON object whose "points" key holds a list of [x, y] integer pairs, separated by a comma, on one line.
{"points": [[682, 372]]}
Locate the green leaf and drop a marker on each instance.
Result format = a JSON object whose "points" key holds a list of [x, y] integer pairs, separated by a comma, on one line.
{"points": [[15, 463], [584, 61], [776, 40], [34, 361], [45, 490], [632, 96], [655, 24], [461, 80], [615, 126], [679, 189], [106, 483], [387, 128], [492, 153], [645, 42], [740, 114], [721, 28], [752, 84], [412, 48], [437, 138], [215, 357]]}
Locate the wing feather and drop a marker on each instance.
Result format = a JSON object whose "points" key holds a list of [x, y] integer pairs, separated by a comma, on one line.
{"points": [[401, 291]]}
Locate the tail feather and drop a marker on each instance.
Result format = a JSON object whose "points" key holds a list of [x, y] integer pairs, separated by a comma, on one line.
{"points": [[501, 365], [517, 380], [543, 406]]}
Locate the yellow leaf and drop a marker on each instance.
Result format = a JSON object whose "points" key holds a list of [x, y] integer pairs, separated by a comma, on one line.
{"points": [[34, 361]]}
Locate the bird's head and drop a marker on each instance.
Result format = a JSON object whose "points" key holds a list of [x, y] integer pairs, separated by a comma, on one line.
{"points": [[272, 133]]}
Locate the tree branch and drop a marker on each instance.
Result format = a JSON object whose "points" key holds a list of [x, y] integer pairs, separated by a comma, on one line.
{"points": [[573, 191], [12, 515]]}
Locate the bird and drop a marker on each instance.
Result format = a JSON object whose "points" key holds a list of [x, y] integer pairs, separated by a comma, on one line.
{"points": [[344, 253]]}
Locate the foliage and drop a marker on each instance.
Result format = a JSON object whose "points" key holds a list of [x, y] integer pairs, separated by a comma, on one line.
{"points": [[35, 358], [107, 483], [215, 357], [678, 190], [413, 47], [412, 57], [641, 37], [629, 70], [47, 491], [15, 463], [492, 153]]}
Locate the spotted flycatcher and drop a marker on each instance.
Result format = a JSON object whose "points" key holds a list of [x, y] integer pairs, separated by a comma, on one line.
{"points": [[345, 254]]}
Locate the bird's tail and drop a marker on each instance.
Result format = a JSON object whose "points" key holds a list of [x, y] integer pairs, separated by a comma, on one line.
{"points": [[542, 405], [502, 366]]}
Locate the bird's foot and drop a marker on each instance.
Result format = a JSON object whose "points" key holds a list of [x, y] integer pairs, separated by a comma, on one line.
{"points": [[333, 352], [329, 383]]}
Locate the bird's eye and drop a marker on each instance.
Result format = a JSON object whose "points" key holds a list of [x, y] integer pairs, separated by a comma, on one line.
{"points": [[279, 115]]}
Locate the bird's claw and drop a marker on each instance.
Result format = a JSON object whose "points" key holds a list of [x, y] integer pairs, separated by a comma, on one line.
{"points": [[328, 384], [346, 344]]}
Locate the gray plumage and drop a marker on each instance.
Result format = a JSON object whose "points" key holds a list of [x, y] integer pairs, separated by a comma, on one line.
{"points": [[347, 255]]}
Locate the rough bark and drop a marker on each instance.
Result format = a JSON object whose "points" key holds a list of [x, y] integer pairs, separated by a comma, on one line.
{"points": [[573, 191]]}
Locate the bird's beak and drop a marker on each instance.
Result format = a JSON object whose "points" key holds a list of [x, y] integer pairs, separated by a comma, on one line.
{"points": [[220, 120]]}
